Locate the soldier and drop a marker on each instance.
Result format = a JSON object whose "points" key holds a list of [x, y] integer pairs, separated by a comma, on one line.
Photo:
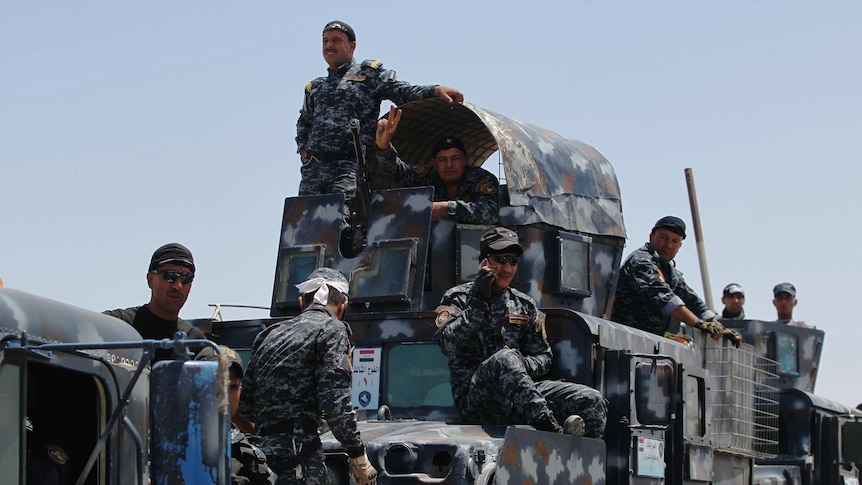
{"points": [[300, 370], [349, 90], [462, 192], [733, 298], [651, 292], [785, 301], [248, 463], [170, 276], [494, 337]]}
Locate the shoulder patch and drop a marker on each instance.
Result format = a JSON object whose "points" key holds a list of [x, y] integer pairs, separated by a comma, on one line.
{"points": [[422, 169], [372, 63], [56, 454], [445, 313], [486, 187], [540, 325]]}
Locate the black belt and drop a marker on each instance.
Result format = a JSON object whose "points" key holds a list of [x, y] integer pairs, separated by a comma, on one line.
{"points": [[305, 425], [331, 156]]}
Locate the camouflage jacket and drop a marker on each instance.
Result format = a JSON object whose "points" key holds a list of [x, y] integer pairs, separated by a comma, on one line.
{"points": [[248, 463], [475, 201], [299, 369], [649, 290], [354, 90], [469, 332]]}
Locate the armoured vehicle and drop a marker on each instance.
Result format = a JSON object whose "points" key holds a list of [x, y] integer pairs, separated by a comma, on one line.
{"points": [[678, 414], [81, 404]]}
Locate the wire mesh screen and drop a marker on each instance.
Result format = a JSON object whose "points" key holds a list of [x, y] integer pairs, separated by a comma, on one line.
{"points": [[744, 397]]}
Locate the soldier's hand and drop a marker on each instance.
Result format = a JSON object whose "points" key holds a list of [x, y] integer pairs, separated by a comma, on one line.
{"points": [[733, 336], [484, 281], [450, 95], [679, 337], [386, 128], [362, 470], [711, 327]]}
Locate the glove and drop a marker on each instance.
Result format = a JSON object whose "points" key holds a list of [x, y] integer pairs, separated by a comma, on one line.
{"points": [[711, 327], [717, 331], [679, 337], [483, 283], [362, 470], [733, 336]]}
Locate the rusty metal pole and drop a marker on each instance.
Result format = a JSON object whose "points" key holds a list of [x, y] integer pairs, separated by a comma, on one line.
{"points": [[698, 235]]}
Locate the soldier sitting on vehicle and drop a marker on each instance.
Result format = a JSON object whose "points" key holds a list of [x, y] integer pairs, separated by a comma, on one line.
{"points": [[462, 192], [733, 298], [785, 301], [494, 337], [652, 294], [248, 465]]}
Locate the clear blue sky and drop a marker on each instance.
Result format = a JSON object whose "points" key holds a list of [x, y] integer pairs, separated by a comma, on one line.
{"points": [[127, 125]]}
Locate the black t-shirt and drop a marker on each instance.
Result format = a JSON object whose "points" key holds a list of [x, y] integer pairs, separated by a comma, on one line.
{"points": [[153, 327]]}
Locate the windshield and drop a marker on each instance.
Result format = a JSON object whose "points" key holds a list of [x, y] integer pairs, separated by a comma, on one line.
{"points": [[417, 375]]}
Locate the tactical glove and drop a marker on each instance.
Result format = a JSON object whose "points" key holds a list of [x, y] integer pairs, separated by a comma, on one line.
{"points": [[362, 470], [679, 337], [733, 336], [711, 327], [483, 283]]}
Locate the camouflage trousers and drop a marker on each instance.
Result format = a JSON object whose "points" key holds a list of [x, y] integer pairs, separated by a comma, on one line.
{"points": [[281, 458], [335, 177], [501, 392]]}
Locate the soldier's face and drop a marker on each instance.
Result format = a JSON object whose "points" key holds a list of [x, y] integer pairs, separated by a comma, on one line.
{"points": [[733, 302], [666, 243], [336, 48], [167, 299], [784, 303], [451, 165], [234, 391], [504, 273]]}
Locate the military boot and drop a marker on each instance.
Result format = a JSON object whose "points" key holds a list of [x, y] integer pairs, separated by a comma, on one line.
{"points": [[574, 425]]}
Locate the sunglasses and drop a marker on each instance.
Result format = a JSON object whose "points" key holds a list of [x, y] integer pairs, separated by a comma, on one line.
{"points": [[506, 258], [171, 275]]}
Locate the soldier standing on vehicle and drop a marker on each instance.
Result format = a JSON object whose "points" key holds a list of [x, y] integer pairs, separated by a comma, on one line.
{"points": [[248, 466], [462, 192], [299, 370], [494, 337], [733, 298], [170, 276], [349, 90], [652, 294], [785, 301]]}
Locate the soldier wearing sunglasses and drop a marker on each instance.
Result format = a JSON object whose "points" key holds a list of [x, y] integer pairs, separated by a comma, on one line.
{"points": [[494, 337], [170, 276]]}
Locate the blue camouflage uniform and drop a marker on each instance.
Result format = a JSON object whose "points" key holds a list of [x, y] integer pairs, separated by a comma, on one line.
{"points": [[649, 290], [354, 90], [492, 384], [298, 372], [476, 201], [248, 463]]}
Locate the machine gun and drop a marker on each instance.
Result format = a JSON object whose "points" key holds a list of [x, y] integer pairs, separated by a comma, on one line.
{"points": [[359, 217]]}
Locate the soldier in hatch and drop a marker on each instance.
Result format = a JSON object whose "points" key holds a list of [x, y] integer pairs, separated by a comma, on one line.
{"points": [[462, 192], [652, 294]]}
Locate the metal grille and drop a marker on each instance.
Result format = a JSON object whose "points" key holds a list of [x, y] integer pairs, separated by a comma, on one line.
{"points": [[744, 400]]}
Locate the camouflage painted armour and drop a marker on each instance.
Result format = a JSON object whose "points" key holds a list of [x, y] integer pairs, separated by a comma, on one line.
{"points": [[299, 372], [475, 201], [354, 90], [248, 463], [493, 384], [649, 290]]}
